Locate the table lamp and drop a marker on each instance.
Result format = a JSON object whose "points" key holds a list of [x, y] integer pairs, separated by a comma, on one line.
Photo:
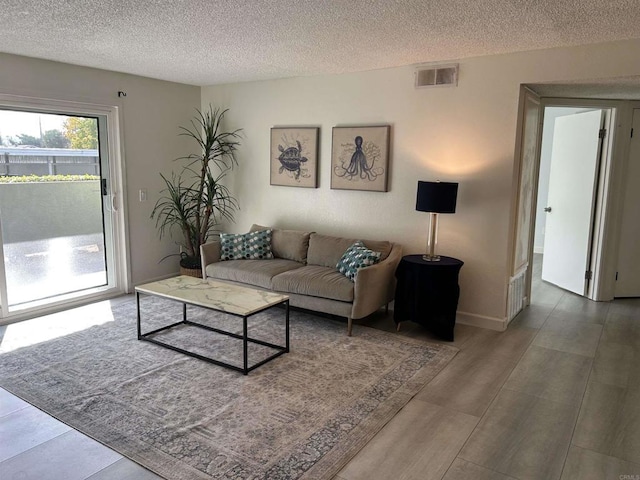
{"points": [[435, 198]]}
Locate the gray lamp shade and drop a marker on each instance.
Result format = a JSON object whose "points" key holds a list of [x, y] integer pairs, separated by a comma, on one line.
{"points": [[437, 197]]}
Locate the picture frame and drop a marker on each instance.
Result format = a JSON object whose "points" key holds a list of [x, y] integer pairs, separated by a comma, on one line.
{"points": [[360, 158], [294, 156]]}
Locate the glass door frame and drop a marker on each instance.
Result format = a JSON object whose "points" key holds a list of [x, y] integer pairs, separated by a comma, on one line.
{"points": [[119, 276]]}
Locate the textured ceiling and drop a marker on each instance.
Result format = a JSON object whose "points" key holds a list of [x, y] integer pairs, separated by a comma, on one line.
{"points": [[205, 42]]}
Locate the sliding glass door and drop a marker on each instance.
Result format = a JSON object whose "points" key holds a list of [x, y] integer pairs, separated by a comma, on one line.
{"points": [[57, 219]]}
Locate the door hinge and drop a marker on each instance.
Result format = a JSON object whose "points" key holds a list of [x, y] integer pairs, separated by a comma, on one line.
{"points": [[588, 275], [104, 187], [602, 133]]}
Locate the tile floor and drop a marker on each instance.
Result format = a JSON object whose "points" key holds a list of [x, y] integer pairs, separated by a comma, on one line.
{"points": [[556, 396]]}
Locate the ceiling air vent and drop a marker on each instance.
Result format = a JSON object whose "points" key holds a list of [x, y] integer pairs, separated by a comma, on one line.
{"points": [[437, 76]]}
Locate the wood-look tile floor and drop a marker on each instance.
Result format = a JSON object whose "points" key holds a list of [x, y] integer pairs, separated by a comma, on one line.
{"points": [[556, 396]]}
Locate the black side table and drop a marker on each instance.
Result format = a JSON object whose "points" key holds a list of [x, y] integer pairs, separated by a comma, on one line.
{"points": [[427, 293]]}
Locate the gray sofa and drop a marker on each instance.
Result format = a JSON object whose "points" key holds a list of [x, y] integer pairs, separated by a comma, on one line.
{"points": [[304, 268]]}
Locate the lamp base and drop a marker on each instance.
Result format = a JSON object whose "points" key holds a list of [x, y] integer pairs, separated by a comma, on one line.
{"points": [[431, 258]]}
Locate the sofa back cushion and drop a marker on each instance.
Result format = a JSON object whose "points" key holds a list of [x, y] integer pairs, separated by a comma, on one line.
{"points": [[288, 244], [327, 251], [382, 246]]}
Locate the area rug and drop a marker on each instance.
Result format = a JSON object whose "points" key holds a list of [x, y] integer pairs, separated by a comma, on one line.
{"points": [[303, 415]]}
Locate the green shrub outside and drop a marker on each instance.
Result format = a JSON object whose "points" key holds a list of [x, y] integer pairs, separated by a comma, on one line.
{"points": [[46, 178]]}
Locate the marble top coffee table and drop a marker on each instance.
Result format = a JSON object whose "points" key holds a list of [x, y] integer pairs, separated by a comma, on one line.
{"points": [[235, 300]]}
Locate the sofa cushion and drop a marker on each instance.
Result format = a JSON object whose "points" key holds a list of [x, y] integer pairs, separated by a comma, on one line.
{"points": [[251, 272], [356, 257], [327, 251], [315, 280], [289, 244]]}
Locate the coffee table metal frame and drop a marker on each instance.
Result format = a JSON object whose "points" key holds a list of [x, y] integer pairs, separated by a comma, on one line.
{"points": [[245, 369]]}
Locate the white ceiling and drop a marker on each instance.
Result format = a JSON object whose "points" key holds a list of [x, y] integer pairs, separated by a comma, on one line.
{"points": [[205, 42]]}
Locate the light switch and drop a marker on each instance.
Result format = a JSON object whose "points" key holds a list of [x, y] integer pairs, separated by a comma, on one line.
{"points": [[143, 195]]}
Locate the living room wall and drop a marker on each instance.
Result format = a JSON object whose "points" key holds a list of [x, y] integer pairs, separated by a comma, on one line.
{"points": [[465, 134], [149, 118]]}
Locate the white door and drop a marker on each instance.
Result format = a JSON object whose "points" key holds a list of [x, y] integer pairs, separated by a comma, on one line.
{"points": [[575, 156], [628, 271]]}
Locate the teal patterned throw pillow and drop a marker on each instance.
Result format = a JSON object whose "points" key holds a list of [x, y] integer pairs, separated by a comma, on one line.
{"points": [[258, 245], [250, 246], [356, 257], [231, 246]]}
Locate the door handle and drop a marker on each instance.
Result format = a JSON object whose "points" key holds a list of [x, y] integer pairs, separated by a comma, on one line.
{"points": [[547, 209]]}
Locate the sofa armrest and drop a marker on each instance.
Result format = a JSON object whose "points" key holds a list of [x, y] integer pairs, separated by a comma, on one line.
{"points": [[209, 253], [375, 285]]}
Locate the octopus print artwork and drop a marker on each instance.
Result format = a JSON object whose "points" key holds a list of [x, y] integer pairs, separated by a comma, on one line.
{"points": [[360, 158], [294, 157]]}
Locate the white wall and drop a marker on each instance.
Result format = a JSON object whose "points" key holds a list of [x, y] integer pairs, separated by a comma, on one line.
{"points": [[464, 134], [150, 115]]}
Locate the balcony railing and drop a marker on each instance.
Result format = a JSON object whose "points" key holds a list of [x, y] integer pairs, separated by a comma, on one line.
{"points": [[48, 161]]}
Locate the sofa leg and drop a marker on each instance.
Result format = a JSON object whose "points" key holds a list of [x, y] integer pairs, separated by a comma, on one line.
{"points": [[349, 326]]}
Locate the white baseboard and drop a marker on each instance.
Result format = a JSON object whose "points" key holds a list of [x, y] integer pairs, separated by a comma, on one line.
{"points": [[492, 323]]}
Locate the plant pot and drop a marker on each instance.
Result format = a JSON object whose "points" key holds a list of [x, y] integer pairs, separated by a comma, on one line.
{"points": [[191, 272]]}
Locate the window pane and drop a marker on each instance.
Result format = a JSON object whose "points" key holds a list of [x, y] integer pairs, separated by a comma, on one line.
{"points": [[51, 205]]}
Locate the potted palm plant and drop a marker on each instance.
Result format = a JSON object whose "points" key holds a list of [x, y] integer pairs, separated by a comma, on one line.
{"points": [[195, 201]]}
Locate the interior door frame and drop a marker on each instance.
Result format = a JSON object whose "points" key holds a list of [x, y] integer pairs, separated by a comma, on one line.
{"points": [[595, 190], [121, 256], [626, 152], [610, 182], [523, 218], [599, 241]]}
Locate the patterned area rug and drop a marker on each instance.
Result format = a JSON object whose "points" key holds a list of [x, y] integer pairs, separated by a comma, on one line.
{"points": [[303, 415]]}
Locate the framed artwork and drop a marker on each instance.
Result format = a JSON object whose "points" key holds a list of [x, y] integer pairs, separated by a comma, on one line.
{"points": [[360, 158], [294, 156]]}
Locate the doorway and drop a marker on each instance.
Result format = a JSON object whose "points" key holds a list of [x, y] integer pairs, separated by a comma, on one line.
{"points": [[60, 230], [571, 163], [615, 238]]}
